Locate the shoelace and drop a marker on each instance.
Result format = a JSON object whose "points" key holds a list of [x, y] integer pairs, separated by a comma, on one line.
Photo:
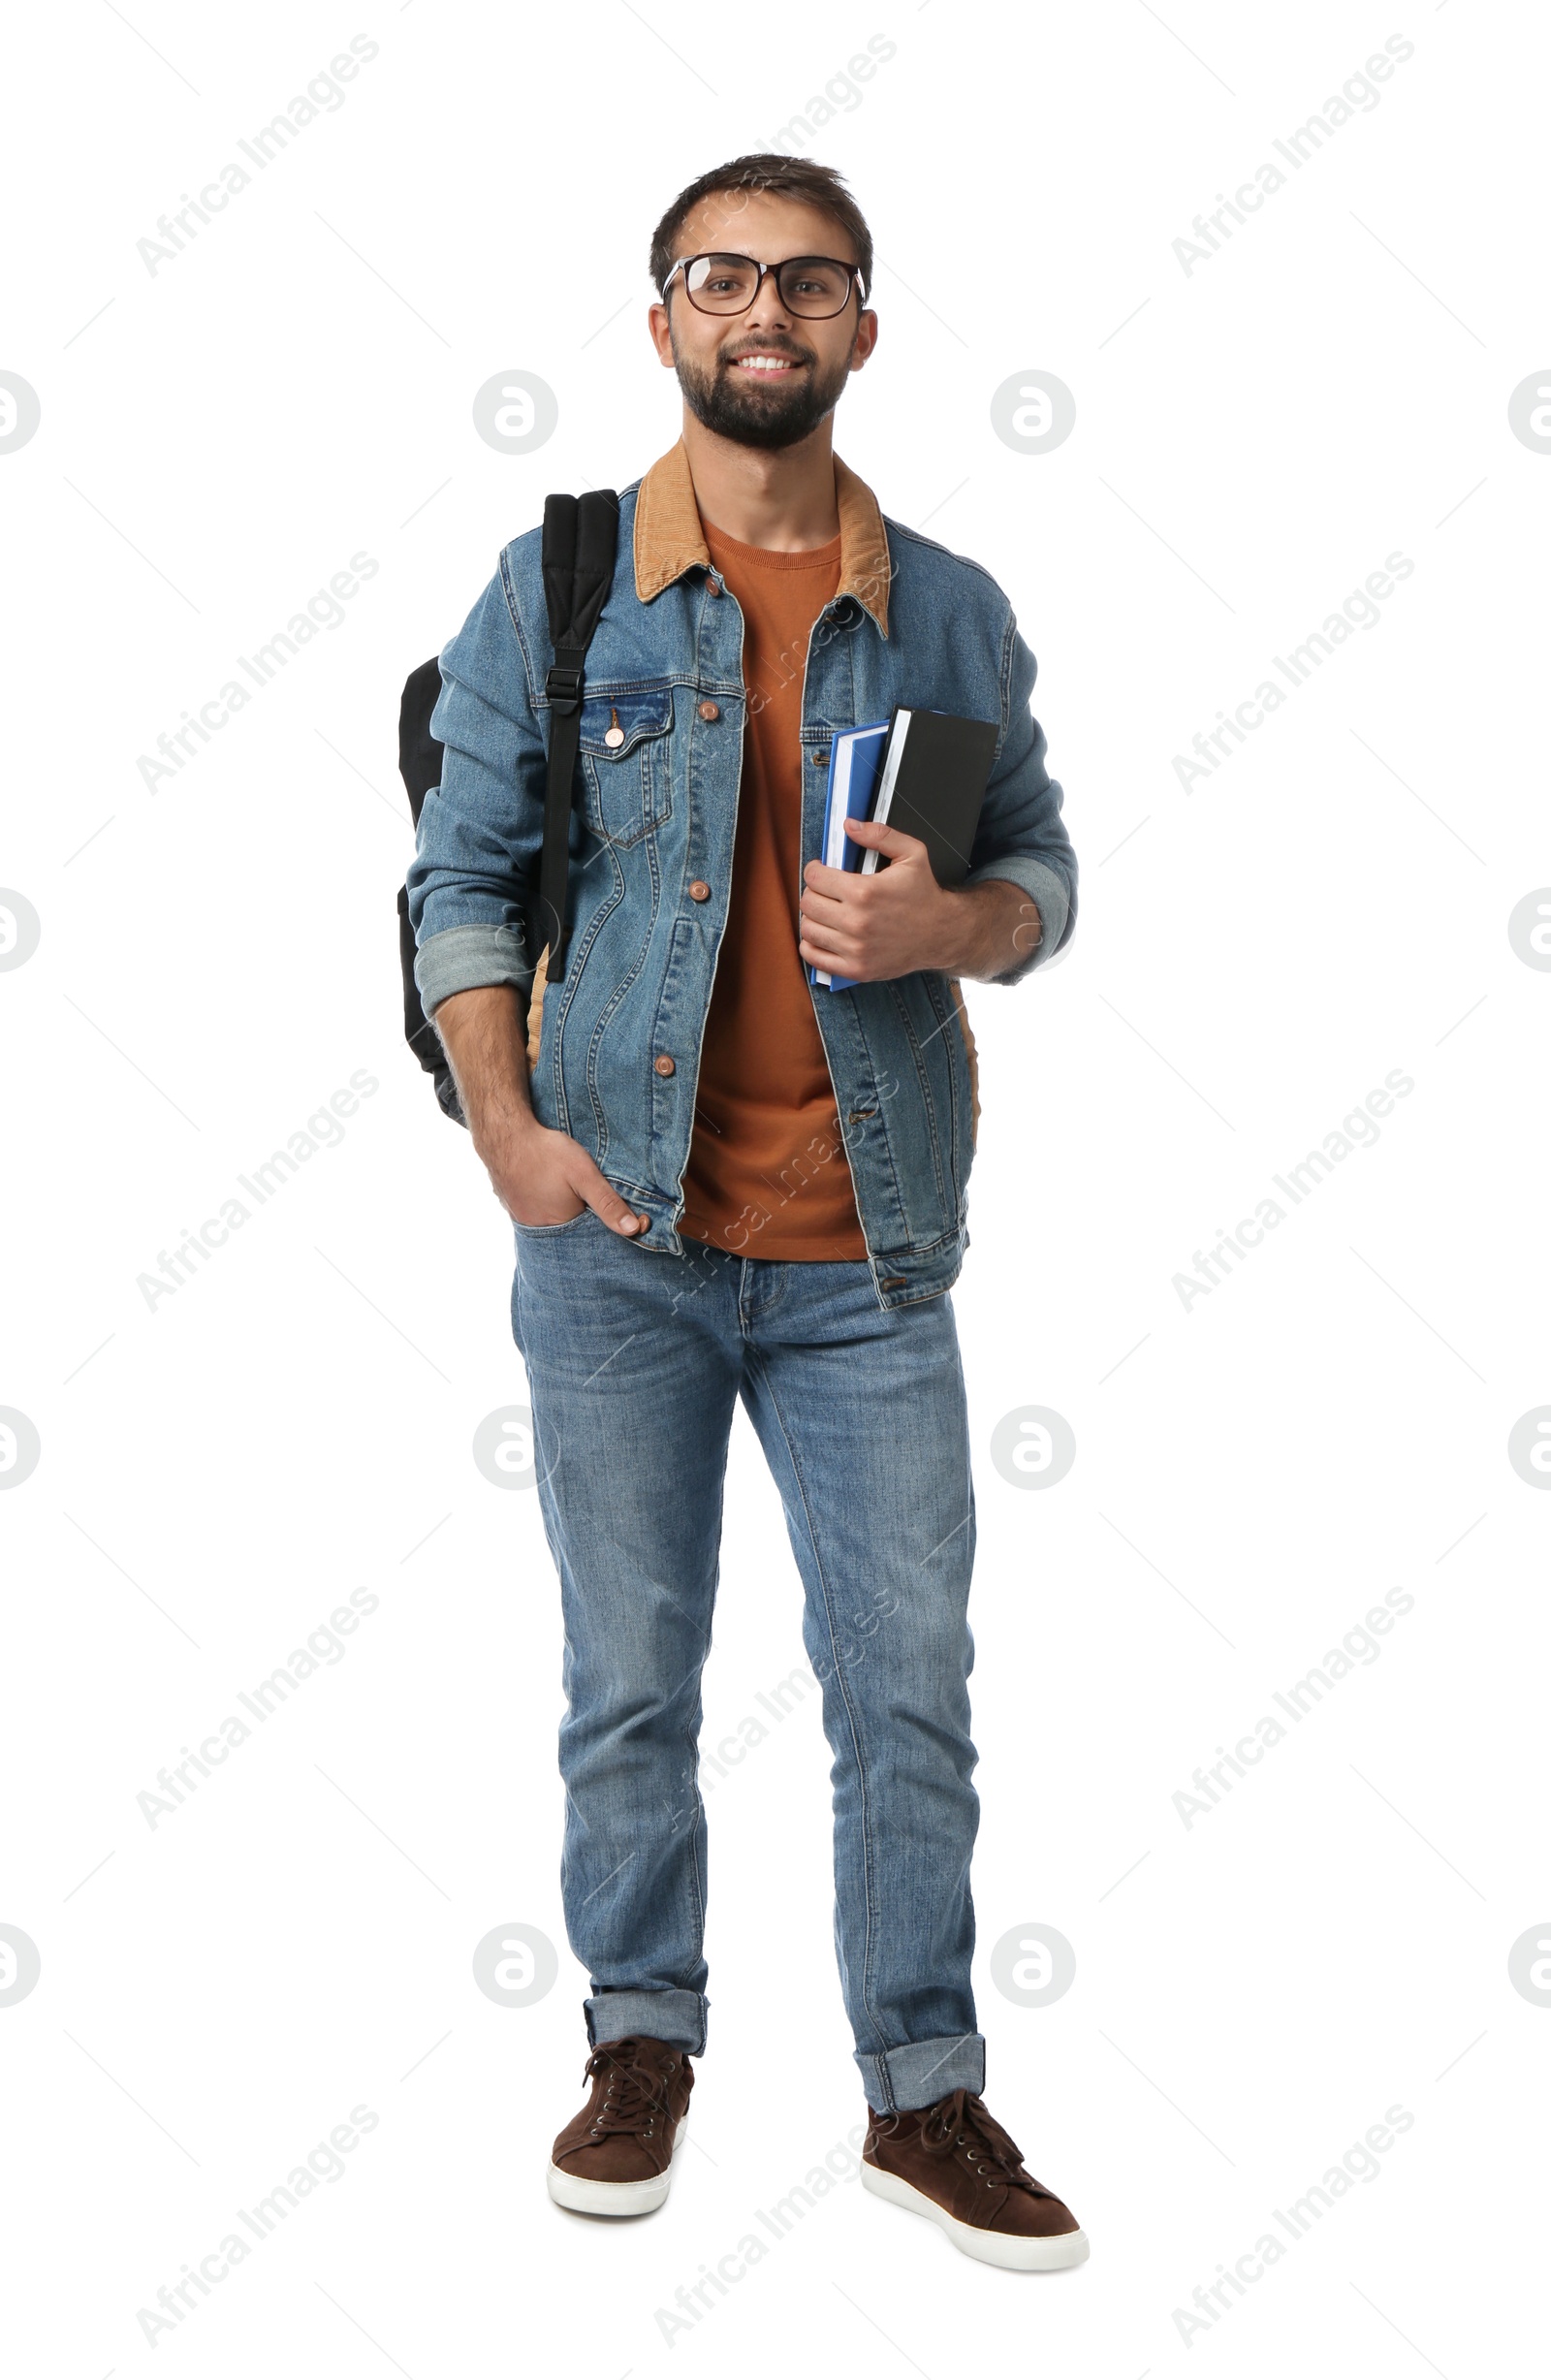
{"points": [[963, 2121], [633, 2097]]}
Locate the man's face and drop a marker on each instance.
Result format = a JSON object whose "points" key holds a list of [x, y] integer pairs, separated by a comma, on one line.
{"points": [[766, 377]]}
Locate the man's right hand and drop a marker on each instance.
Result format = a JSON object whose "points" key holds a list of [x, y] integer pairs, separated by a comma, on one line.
{"points": [[539, 1176], [545, 1176]]}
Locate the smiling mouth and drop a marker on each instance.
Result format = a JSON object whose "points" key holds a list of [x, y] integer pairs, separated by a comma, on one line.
{"points": [[763, 365]]}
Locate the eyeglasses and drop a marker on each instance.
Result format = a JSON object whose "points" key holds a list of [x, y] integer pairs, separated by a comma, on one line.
{"points": [[814, 287]]}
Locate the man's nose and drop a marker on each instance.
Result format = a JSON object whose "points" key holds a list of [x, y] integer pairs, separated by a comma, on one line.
{"points": [[769, 311]]}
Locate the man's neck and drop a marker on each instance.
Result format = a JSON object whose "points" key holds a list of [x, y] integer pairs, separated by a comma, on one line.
{"points": [[782, 499]]}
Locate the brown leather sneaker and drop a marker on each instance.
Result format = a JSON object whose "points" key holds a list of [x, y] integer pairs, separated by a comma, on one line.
{"points": [[614, 2158], [954, 2164]]}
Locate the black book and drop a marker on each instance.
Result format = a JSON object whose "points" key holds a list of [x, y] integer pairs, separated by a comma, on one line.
{"points": [[931, 784]]}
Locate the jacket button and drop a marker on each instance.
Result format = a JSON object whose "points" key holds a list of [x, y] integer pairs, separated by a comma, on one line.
{"points": [[664, 1063], [709, 710], [821, 760], [699, 890], [713, 586]]}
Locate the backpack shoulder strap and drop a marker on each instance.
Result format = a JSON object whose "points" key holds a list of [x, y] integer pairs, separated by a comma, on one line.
{"points": [[580, 539]]}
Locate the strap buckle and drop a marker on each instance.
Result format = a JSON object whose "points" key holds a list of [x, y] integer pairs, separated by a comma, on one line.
{"points": [[563, 686]]}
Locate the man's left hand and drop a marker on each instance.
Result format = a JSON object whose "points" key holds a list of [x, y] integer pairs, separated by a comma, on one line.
{"points": [[874, 928]]}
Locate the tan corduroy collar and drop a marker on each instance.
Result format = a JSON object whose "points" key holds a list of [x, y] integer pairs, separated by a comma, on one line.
{"points": [[669, 539]]}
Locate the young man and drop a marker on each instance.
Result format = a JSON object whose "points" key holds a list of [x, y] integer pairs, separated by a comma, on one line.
{"points": [[725, 1182]]}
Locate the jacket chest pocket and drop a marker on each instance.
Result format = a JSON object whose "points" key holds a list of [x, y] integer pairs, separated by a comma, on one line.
{"points": [[626, 767]]}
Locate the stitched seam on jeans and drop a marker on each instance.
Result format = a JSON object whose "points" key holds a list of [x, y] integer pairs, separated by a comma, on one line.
{"points": [[768, 1289], [867, 1862], [696, 1884]]}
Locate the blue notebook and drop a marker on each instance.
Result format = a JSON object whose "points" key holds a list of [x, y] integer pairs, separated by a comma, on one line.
{"points": [[855, 760]]}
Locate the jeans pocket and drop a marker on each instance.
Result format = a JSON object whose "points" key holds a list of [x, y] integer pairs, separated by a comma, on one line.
{"points": [[549, 1231]]}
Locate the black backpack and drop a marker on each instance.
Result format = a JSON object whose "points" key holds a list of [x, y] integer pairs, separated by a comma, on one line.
{"points": [[580, 537]]}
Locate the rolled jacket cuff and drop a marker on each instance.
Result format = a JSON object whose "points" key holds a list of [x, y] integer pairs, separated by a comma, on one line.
{"points": [[922, 2072], [462, 958], [1050, 896]]}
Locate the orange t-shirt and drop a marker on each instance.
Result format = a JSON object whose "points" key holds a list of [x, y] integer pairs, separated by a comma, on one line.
{"points": [[768, 1174]]}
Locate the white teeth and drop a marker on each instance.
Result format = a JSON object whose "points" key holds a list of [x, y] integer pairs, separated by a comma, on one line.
{"points": [[764, 363]]}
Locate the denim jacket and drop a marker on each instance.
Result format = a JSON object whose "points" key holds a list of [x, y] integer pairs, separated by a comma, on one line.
{"points": [[618, 1040]]}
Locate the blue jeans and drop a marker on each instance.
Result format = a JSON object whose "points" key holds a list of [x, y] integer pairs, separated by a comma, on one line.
{"points": [[635, 1363]]}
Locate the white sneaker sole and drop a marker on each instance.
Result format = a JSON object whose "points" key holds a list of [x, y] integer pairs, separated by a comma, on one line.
{"points": [[612, 2197], [1011, 2250]]}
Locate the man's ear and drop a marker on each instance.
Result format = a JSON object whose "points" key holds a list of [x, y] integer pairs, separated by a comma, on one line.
{"points": [[661, 335]]}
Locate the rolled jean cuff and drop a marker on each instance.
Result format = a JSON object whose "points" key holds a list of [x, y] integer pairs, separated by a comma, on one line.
{"points": [[922, 2072], [676, 2017]]}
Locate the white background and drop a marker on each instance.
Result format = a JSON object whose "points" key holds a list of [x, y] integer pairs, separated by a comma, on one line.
{"points": [[1253, 1473]]}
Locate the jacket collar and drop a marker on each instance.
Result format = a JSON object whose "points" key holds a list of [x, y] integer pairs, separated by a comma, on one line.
{"points": [[669, 539]]}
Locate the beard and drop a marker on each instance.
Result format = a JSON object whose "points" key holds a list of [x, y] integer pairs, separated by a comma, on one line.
{"points": [[766, 410]]}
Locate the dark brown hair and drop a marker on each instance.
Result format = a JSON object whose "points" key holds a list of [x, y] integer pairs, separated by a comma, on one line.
{"points": [[798, 178]]}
